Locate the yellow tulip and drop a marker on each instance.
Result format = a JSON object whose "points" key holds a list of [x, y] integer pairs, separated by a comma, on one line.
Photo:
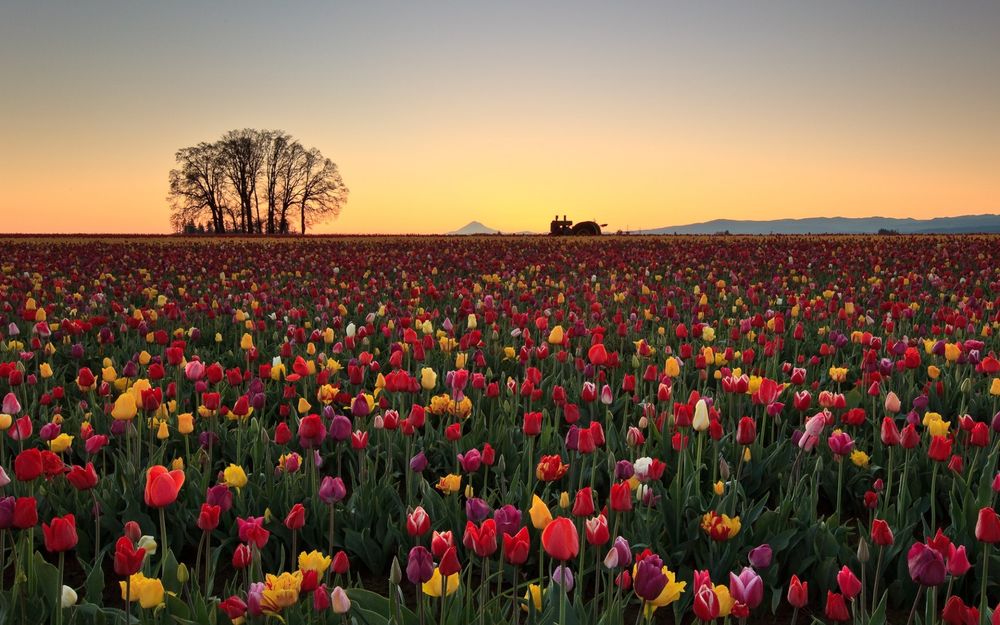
{"points": [[556, 335], [433, 586], [539, 512], [281, 591], [725, 600], [162, 432], [534, 595], [185, 423], [450, 483], [314, 561], [933, 372], [45, 369], [672, 368], [303, 406], [995, 387], [125, 407], [859, 458], [428, 378], [246, 342], [60, 443], [234, 476], [148, 592]]}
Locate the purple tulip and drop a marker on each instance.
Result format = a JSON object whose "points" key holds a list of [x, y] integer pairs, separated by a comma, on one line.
{"points": [[508, 520], [470, 461], [573, 438], [340, 428], [219, 495], [6, 513], [332, 490], [419, 565], [747, 587], [563, 576], [418, 462], [926, 565], [649, 579], [624, 470], [476, 509], [760, 557]]}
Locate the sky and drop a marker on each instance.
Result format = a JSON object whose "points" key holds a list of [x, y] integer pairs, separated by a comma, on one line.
{"points": [[637, 114]]}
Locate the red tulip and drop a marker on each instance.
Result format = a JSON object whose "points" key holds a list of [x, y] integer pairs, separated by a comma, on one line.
{"points": [[515, 548], [532, 423], [25, 513], [988, 526], [940, 448], [208, 517], [621, 497], [242, 556], [128, 559], [296, 517], [418, 522], [798, 593], [746, 431], [28, 465], [560, 539], [483, 539], [836, 607], [61, 534], [881, 533], [596, 530], [848, 582], [162, 486], [583, 503], [706, 603], [82, 478], [449, 564], [341, 564]]}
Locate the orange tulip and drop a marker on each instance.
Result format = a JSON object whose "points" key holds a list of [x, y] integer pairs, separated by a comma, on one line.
{"points": [[162, 486], [560, 539]]}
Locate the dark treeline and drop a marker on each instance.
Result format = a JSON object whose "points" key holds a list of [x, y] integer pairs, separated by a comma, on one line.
{"points": [[255, 182]]}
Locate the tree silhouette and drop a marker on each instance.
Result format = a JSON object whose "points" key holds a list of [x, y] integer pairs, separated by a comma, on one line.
{"points": [[224, 183]]}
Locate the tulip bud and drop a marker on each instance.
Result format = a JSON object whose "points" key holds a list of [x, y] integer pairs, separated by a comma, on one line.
{"points": [[148, 543], [395, 573], [724, 469], [68, 598], [182, 573], [863, 554], [339, 601]]}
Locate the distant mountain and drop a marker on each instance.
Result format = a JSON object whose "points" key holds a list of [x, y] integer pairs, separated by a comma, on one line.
{"points": [[473, 227], [476, 227], [840, 225]]}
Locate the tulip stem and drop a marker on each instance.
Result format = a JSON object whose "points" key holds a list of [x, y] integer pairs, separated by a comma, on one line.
{"points": [[59, 606], [163, 541], [840, 484], [795, 616], [916, 600], [934, 473], [986, 577], [878, 573]]}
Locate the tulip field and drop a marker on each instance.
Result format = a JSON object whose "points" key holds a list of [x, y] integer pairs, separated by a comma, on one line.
{"points": [[448, 430]]}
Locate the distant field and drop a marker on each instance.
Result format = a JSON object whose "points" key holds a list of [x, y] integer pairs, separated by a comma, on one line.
{"points": [[682, 423]]}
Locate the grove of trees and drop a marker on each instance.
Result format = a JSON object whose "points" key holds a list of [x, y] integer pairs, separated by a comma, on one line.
{"points": [[254, 182]]}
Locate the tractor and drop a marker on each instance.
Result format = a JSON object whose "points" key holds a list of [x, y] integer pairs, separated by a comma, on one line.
{"points": [[564, 227]]}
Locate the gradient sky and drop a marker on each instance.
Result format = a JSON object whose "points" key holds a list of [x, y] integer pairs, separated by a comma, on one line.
{"points": [[640, 114]]}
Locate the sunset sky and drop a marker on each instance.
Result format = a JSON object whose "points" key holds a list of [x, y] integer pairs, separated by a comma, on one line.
{"points": [[639, 114]]}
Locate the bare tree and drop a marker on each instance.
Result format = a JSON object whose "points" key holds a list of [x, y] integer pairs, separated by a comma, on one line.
{"points": [[323, 191], [243, 157], [198, 185], [225, 181]]}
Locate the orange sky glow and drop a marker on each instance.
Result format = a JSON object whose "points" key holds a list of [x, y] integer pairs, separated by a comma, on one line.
{"points": [[638, 116]]}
